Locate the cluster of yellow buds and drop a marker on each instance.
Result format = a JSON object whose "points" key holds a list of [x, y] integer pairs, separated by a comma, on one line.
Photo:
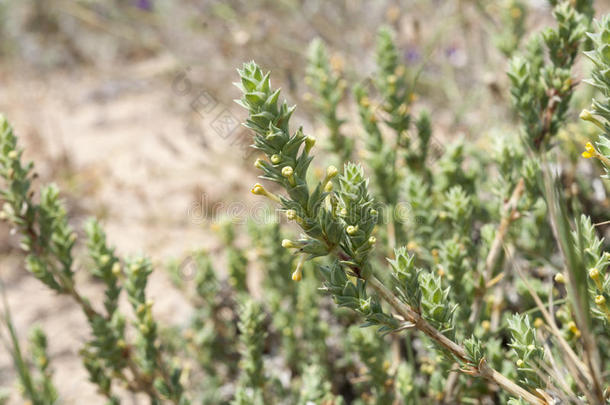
{"points": [[590, 151], [331, 173]]}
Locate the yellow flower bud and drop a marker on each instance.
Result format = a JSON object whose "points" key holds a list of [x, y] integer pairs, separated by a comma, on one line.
{"points": [[520, 363], [365, 102], [116, 269], [258, 189], [297, 275], [531, 347], [291, 214], [331, 171], [104, 259], [538, 323], [590, 151], [574, 329], [560, 278], [486, 325], [275, 159], [587, 155], [412, 245], [328, 187], [372, 240], [13, 155], [585, 115], [287, 243], [596, 277], [588, 116], [427, 368], [310, 141], [287, 171], [351, 229], [258, 164], [600, 300], [594, 274]]}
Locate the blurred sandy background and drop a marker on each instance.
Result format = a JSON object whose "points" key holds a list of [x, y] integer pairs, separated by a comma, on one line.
{"points": [[127, 105]]}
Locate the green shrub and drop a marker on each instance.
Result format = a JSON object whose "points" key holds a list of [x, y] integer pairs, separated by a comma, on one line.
{"points": [[453, 292]]}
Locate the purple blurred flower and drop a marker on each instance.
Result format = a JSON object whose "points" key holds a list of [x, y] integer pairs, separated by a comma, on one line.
{"points": [[451, 51], [456, 56], [145, 5], [412, 55]]}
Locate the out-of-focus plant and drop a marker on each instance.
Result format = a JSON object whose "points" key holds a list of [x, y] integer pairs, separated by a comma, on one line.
{"points": [[34, 371], [252, 380], [513, 14], [599, 114], [237, 262], [328, 88], [551, 90], [48, 240]]}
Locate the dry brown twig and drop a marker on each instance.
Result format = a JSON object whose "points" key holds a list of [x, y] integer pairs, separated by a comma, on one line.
{"points": [[482, 369], [510, 214]]}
